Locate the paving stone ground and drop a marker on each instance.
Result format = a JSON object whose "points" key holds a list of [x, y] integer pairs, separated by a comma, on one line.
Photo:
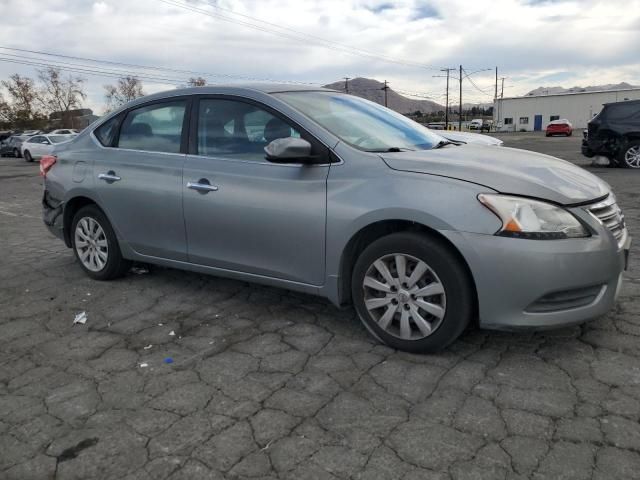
{"points": [[268, 384]]}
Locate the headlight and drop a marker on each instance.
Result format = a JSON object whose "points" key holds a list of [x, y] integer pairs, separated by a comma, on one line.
{"points": [[532, 219]]}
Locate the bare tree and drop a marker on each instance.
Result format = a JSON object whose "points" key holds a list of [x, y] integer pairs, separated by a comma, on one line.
{"points": [[21, 108], [59, 94], [128, 88], [196, 82]]}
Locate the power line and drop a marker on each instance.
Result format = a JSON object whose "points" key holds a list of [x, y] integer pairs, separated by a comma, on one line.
{"points": [[291, 34], [152, 67]]}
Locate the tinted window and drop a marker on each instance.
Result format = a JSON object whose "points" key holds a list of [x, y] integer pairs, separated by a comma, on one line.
{"points": [[239, 130], [156, 128], [36, 139], [106, 132], [60, 138], [622, 112]]}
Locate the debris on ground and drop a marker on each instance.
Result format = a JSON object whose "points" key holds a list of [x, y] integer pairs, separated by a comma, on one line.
{"points": [[143, 365], [172, 333], [147, 347], [80, 318], [139, 270], [168, 360]]}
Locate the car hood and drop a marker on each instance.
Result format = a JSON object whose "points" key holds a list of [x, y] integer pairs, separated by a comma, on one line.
{"points": [[468, 137], [506, 170]]}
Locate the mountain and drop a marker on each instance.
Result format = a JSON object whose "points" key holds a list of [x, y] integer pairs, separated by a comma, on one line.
{"points": [[372, 90], [592, 88]]}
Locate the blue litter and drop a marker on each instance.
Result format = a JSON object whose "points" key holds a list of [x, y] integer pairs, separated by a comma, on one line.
{"points": [[168, 360]]}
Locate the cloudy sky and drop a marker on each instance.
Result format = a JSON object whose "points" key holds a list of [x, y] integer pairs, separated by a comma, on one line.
{"points": [[533, 42]]}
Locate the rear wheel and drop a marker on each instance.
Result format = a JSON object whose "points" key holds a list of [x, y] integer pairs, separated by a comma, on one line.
{"points": [[412, 292], [27, 156], [95, 245], [630, 155]]}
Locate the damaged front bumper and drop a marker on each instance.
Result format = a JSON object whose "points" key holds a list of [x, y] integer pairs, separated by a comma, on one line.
{"points": [[52, 215]]}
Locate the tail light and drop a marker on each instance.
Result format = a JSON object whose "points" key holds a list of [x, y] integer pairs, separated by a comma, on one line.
{"points": [[46, 162]]}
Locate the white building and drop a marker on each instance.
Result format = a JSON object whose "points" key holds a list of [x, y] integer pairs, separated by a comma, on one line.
{"points": [[533, 113]]}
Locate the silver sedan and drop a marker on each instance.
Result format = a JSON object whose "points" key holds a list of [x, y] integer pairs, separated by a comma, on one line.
{"points": [[321, 192]]}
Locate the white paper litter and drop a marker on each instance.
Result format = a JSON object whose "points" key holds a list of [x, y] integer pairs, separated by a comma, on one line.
{"points": [[147, 347], [172, 333], [143, 365], [139, 270], [80, 318]]}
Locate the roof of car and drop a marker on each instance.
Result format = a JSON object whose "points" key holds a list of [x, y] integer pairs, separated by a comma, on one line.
{"points": [[623, 102], [236, 88]]}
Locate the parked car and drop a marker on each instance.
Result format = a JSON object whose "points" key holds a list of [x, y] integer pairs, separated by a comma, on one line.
{"points": [[11, 146], [436, 125], [64, 131], [38, 145], [329, 194], [468, 137], [615, 134], [30, 133], [559, 127], [475, 124]]}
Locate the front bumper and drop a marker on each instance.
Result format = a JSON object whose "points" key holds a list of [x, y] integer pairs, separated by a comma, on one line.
{"points": [[534, 284]]}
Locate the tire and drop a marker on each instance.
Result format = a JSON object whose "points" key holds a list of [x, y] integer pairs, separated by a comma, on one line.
{"points": [[569, 134], [104, 260], [629, 156], [27, 156], [547, 134], [16, 153], [450, 298]]}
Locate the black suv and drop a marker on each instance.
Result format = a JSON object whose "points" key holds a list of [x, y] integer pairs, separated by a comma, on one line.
{"points": [[615, 134]]}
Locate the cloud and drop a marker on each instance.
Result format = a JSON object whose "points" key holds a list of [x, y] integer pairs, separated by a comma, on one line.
{"points": [[531, 42]]}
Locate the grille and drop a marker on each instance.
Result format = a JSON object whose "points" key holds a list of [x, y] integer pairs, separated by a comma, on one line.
{"points": [[611, 216]]}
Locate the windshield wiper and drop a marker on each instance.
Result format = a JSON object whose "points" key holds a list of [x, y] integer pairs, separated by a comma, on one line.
{"points": [[444, 143], [391, 149]]}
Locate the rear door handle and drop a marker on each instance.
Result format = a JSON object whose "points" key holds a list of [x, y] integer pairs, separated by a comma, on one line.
{"points": [[109, 177], [202, 186]]}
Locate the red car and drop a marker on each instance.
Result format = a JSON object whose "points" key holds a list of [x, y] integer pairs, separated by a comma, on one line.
{"points": [[559, 127]]}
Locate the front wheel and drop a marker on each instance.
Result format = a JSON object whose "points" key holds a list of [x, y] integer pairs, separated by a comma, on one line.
{"points": [[95, 245], [630, 155], [16, 153], [412, 292], [27, 156]]}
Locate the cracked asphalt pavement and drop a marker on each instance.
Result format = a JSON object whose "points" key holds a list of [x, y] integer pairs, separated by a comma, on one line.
{"points": [[268, 384]]}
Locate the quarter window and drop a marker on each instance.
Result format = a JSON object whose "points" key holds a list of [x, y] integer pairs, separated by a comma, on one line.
{"points": [[228, 128], [106, 133], [156, 128]]}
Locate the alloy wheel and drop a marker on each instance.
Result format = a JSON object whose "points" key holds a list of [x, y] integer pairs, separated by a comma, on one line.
{"points": [[632, 156], [404, 296], [91, 244]]}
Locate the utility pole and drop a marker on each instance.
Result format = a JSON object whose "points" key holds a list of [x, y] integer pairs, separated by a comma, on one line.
{"points": [[346, 84], [446, 109], [495, 101], [495, 97], [385, 88], [501, 97], [460, 106]]}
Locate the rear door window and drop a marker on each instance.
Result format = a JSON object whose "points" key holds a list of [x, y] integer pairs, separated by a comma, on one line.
{"points": [[155, 128]]}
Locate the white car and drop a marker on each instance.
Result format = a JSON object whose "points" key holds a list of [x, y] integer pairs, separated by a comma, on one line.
{"points": [[37, 146], [64, 131], [468, 137]]}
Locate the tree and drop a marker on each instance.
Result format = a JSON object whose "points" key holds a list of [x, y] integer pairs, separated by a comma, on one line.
{"points": [[196, 82], [60, 94], [21, 108], [128, 88]]}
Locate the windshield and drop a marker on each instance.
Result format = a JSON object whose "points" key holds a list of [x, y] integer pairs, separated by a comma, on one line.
{"points": [[60, 138], [361, 123]]}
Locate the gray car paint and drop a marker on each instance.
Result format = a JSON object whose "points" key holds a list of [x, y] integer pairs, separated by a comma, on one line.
{"points": [[284, 241]]}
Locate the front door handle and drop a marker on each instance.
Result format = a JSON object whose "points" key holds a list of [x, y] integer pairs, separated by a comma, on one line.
{"points": [[109, 177], [202, 186]]}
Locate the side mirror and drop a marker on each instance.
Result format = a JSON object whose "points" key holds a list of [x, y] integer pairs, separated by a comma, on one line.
{"points": [[289, 150]]}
